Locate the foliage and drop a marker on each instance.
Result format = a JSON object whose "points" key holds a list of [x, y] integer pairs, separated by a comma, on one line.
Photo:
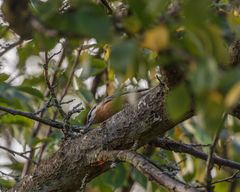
{"points": [[126, 47]]}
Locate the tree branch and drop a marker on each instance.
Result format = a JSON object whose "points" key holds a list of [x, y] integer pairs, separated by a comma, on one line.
{"points": [[17, 153], [51, 88], [210, 163], [171, 145], [228, 179], [153, 172], [10, 46], [106, 4], [52, 123]]}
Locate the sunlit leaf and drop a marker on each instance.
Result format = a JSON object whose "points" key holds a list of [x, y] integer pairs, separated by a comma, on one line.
{"points": [[233, 96], [156, 39], [16, 166], [18, 120], [81, 117]]}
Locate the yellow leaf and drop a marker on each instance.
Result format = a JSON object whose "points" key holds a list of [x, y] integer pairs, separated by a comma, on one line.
{"points": [[233, 95], [233, 19], [107, 52], [156, 39], [215, 97], [132, 24]]}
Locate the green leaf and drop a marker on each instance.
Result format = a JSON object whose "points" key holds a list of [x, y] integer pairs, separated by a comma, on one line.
{"points": [[3, 77], [6, 183], [141, 12], [86, 94], [16, 166], [211, 107], [81, 118], [88, 20], [116, 177], [140, 178], [27, 50], [156, 7], [228, 79], [199, 133], [37, 140], [45, 10], [33, 81], [45, 43], [18, 120], [111, 180], [196, 12], [32, 91], [9, 95], [178, 102], [205, 76], [123, 56]]}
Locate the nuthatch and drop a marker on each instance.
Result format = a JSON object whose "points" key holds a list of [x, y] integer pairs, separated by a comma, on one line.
{"points": [[111, 105]]}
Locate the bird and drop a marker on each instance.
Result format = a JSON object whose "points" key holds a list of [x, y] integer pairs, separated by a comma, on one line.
{"points": [[112, 105]]}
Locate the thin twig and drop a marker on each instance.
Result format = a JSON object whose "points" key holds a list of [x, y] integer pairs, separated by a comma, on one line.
{"points": [[210, 162], [51, 89], [60, 62], [29, 151], [17, 153], [45, 107], [9, 47], [48, 104], [76, 109], [228, 179], [38, 125], [54, 54], [107, 5], [64, 92], [75, 63], [8, 175]]}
